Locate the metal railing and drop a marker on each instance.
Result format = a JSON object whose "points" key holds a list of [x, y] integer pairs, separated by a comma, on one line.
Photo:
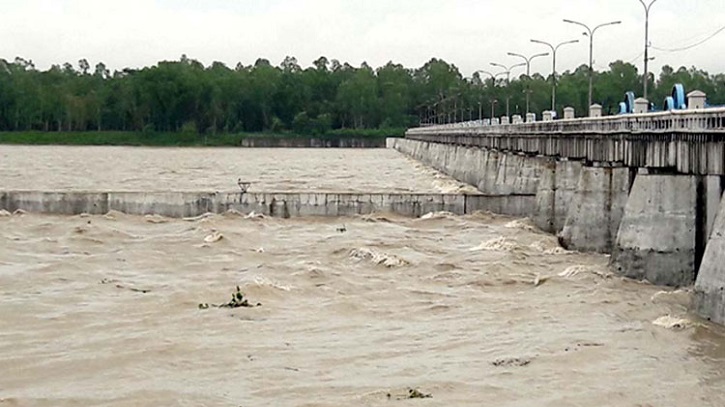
{"points": [[700, 120]]}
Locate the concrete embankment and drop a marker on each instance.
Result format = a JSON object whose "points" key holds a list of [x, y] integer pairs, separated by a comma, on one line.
{"points": [[286, 205], [509, 180]]}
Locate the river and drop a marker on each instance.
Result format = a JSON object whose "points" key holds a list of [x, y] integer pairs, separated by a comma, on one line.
{"points": [[472, 310]]}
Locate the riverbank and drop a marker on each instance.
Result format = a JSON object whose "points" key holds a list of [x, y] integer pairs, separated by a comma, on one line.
{"points": [[346, 138]]}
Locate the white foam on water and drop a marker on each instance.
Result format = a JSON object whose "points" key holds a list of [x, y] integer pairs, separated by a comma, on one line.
{"points": [[438, 215], [379, 258], [499, 244], [214, 237], [673, 323]]}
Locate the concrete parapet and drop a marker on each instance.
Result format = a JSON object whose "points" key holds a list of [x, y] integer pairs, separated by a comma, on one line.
{"points": [[505, 120], [658, 233], [189, 204], [596, 209], [709, 300]]}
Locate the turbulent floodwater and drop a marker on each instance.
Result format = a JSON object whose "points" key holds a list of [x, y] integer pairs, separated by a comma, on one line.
{"points": [[104, 311], [475, 311], [193, 169]]}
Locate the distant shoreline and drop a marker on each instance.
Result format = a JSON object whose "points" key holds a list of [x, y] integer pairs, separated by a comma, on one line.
{"points": [[340, 139]]}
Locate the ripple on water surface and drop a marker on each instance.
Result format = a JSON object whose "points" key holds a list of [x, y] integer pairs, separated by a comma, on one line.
{"points": [[104, 310]]}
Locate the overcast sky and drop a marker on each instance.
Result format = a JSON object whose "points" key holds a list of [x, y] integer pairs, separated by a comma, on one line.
{"points": [[468, 33]]}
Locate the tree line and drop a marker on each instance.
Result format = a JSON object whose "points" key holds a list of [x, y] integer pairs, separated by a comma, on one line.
{"points": [[186, 96]]}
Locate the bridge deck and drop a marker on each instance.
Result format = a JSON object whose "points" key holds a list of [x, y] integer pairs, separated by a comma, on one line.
{"points": [[688, 142]]}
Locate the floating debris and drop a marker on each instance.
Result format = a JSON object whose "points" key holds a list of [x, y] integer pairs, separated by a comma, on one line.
{"points": [[515, 362], [237, 301], [342, 229], [412, 394], [120, 286]]}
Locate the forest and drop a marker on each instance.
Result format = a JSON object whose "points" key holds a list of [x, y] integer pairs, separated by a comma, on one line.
{"points": [[185, 96]]}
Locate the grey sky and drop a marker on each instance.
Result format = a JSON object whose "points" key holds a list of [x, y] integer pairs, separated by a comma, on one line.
{"points": [[468, 33]]}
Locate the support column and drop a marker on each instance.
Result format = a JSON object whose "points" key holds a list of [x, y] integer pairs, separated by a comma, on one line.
{"points": [[657, 239], [597, 209], [557, 187], [709, 301]]}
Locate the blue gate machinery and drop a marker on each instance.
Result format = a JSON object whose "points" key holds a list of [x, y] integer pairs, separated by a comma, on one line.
{"points": [[676, 101]]}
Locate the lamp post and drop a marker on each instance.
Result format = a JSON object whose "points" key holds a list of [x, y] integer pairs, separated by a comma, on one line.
{"points": [[590, 33], [528, 71], [647, 7], [507, 70], [554, 49]]}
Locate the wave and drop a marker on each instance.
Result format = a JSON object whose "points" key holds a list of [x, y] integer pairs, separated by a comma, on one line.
{"points": [[500, 244], [575, 271], [214, 237], [378, 258], [673, 323], [156, 219], [681, 297], [200, 217], [4, 214], [255, 215], [438, 215], [523, 224]]}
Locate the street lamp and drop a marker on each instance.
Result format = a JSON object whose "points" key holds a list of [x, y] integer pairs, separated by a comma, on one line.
{"points": [[646, 43], [554, 48], [591, 49], [493, 77], [528, 71], [507, 70]]}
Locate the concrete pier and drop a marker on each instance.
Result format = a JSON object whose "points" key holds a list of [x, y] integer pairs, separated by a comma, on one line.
{"points": [[189, 204], [657, 237], [709, 299], [596, 209], [554, 195]]}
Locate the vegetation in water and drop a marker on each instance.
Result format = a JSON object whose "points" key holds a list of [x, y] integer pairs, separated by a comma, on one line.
{"points": [[238, 301]]}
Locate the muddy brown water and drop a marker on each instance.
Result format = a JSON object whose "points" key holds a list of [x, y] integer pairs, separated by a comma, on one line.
{"points": [[474, 310], [216, 169]]}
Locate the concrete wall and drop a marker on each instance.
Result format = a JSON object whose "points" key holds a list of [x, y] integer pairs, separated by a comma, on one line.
{"points": [[657, 238], [513, 179], [187, 204]]}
